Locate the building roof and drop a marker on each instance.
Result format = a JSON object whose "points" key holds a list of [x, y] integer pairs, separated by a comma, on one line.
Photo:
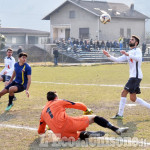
{"points": [[97, 8], [22, 31]]}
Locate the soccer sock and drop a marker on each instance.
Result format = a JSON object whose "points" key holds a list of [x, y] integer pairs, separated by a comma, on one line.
{"points": [[104, 123], [122, 105], [142, 102], [10, 99]]}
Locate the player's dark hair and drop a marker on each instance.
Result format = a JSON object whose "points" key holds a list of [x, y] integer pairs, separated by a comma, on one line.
{"points": [[22, 54], [136, 38], [51, 95], [9, 49]]}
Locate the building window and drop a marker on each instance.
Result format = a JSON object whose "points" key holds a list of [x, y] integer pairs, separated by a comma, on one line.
{"points": [[33, 40], [71, 14], [84, 33], [121, 32], [128, 33], [14, 40]]}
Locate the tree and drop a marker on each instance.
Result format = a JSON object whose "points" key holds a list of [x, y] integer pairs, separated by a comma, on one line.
{"points": [[2, 41]]}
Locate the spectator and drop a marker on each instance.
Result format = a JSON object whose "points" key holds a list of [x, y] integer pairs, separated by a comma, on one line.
{"points": [[81, 42], [121, 42], [111, 45], [102, 44], [143, 48], [19, 50], [98, 45], [56, 54], [128, 40], [108, 45], [124, 42]]}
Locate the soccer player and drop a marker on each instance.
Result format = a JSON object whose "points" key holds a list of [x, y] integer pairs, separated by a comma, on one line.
{"points": [[54, 115], [9, 62], [7, 72], [22, 72], [134, 58]]}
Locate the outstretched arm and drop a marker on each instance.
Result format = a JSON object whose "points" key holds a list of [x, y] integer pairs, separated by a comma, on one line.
{"points": [[119, 59], [75, 105]]}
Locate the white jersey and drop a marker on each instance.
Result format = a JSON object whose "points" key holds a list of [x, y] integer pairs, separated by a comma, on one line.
{"points": [[135, 61], [9, 66]]}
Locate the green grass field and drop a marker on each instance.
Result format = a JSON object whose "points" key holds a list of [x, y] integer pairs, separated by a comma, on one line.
{"points": [[103, 100]]}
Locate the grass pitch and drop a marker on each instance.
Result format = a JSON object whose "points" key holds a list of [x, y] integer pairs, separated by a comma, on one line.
{"points": [[102, 100]]}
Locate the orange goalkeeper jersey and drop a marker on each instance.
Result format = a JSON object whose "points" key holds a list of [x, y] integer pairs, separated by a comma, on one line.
{"points": [[55, 116]]}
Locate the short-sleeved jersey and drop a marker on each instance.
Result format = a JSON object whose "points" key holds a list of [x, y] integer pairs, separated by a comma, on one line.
{"points": [[55, 116], [21, 73], [9, 66], [134, 59]]}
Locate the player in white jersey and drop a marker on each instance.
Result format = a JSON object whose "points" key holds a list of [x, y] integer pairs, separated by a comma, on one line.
{"points": [[134, 58], [7, 72]]}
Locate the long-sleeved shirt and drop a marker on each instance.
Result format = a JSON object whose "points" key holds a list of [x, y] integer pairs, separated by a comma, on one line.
{"points": [[134, 59], [9, 66], [54, 114]]}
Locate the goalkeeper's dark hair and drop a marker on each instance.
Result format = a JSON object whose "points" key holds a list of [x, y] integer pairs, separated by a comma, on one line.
{"points": [[51, 95]]}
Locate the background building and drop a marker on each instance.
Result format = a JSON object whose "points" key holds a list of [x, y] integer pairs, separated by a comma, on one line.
{"points": [[80, 19], [24, 37]]}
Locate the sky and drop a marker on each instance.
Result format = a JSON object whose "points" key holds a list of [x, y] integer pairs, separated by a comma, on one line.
{"points": [[29, 13]]}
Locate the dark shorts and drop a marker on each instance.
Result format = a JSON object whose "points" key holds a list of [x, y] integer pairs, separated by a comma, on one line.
{"points": [[133, 85], [5, 78], [20, 87]]}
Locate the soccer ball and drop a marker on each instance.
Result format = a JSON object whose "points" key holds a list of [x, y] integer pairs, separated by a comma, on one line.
{"points": [[105, 18]]}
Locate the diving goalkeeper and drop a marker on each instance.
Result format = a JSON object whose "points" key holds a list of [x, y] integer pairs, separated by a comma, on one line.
{"points": [[54, 115]]}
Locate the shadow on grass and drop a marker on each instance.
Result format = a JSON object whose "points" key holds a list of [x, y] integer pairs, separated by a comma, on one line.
{"points": [[132, 126], [6, 116], [39, 144]]}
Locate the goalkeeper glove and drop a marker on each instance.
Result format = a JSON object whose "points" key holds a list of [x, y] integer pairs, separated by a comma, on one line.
{"points": [[88, 112], [47, 127]]}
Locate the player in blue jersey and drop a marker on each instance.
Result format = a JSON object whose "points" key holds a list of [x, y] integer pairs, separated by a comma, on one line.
{"points": [[22, 75]]}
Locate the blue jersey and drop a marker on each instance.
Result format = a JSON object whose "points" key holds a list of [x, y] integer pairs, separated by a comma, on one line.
{"points": [[21, 73]]}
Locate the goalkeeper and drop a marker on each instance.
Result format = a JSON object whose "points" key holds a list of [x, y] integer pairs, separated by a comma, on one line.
{"points": [[54, 115]]}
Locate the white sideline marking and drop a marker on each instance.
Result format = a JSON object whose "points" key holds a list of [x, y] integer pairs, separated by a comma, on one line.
{"points": [[18, 127], [103, 138], [105, 85]]}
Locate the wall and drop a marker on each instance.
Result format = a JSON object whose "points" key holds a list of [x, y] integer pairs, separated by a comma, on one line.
{"points": [[83, 19]]}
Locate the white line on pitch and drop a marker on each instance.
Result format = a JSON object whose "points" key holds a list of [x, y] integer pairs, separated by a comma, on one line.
{"points": [[17, 127], [103, 138], [105, 85]]}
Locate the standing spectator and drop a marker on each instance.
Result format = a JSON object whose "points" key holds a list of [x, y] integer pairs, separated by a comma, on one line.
{"points": [[19, 50], [143, 48], [121, 42], [98, 45], [81, 42], [111, 45], [108, 45], [124, 42], [128, 40], [102, 44], [91, 42], [115, 44], [56, 54]]}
